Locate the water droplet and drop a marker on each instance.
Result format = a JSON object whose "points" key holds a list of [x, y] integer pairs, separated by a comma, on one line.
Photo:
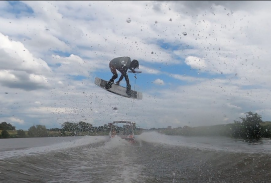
{"points": [[170, 19], [156, 22], [128, 20], [152, 52], [6, 92], [184, 33]]}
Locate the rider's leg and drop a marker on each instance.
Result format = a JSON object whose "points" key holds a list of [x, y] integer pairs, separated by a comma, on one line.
{"points": [[114, 72], [115, 76], [128, 88]]}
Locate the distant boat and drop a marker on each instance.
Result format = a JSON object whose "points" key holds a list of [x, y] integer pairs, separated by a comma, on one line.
{"points": [[122, 129]]}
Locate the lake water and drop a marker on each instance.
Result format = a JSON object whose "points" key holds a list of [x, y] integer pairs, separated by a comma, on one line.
{"points": [[154, 158]]}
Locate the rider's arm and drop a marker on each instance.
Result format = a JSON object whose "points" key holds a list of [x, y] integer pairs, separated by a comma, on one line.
{"points": [[132, 70]]}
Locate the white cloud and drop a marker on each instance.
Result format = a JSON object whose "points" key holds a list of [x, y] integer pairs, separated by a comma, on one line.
{"points": [[186, 78], [19, 68], [5, 75], [195, 62], [233, 106], [16, 57], [39, 50], [148, 70], [159, 82], [73, 65], [23, 80], [16, 120], [50, 110]]}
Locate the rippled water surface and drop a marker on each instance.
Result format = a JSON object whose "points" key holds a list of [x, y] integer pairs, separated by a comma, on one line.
{"points": [[154, 158]]}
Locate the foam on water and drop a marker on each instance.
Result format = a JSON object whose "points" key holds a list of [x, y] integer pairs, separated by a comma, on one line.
{"points": [[208, 143], [48, 148], [127, 171], [160, 158], [115, 158], [115, 142]]}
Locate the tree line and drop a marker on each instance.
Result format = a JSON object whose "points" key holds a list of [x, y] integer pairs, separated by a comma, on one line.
{"points": [[34, 131], [81, 127], [250, 128], [67, 129]]}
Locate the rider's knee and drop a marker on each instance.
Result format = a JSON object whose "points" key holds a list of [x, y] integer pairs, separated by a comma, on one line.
{"points": [[115, 76]]}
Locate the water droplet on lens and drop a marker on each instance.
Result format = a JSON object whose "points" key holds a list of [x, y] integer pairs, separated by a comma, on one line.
{"points": [[184, 33], [128, 20]]}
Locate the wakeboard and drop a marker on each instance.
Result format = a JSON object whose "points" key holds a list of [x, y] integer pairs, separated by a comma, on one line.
{"points": [[117, 89]]}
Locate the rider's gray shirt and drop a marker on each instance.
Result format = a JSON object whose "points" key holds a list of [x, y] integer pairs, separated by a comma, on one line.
{"points": [[119, 62]]}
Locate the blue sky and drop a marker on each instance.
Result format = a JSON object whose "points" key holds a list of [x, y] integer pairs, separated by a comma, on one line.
{"points": [[213, 74]]}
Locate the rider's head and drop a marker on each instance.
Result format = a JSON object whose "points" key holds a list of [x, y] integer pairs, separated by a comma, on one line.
{"points": [[134, 64]]}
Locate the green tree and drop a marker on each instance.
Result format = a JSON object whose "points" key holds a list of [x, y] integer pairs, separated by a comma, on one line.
{"points": [[76, 127], [6, 126], [21, 134], [248, 128], [83, 126], [265, 130], [5, 134], [37, 131], [68, 126], [32, 131]]}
